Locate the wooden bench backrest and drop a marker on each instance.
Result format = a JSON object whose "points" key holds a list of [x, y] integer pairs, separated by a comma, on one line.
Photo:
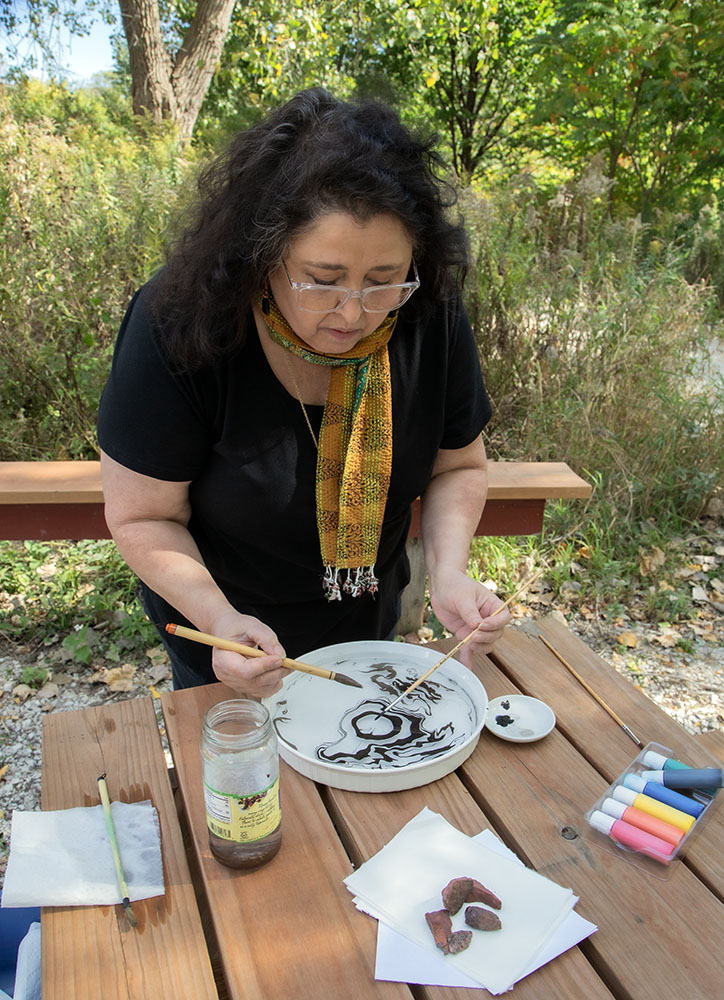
{"points": [[80, 482]]}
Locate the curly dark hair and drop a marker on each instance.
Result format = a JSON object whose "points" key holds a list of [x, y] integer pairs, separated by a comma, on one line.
{"points": [[312, 155]]}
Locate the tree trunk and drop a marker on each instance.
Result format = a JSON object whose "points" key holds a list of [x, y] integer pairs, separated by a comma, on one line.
{"points": [[173, 89], [197, 59]]}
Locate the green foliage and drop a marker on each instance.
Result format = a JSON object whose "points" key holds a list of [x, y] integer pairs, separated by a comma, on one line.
{"points": [[79, 644], [592, 341], [34, 677], [639, 81], [476, 61], [83, 207], [78, 588]]}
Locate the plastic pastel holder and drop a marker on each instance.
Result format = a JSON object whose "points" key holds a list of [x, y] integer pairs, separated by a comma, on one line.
{"points": [[659, 865]]}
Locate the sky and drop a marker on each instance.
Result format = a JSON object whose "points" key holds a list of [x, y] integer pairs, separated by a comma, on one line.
{"points": [[82, 57]]}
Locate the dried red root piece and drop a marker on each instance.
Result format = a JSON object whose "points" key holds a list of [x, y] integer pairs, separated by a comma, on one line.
{"points": [[481, 920], [440, 924], [459, 941], [479, 894], [455, 893]]}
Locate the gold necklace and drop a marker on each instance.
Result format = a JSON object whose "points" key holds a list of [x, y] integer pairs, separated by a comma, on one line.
{"points": [[299, 399]]}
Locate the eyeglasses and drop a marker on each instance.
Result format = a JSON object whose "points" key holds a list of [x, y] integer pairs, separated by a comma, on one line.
{"points": [[330, 298]]}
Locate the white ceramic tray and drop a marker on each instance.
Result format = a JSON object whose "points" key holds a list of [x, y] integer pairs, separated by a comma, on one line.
{"points": [[336, 735]]}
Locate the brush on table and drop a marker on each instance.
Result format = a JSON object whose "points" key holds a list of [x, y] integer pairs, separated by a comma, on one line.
{"points": [[462, 642], [111, 828], [532, 629], [237, 647]]}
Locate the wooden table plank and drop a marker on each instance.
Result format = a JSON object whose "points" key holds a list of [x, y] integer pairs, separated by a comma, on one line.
{"points": [[369, 821], [712, 741], [88, 952], [288, 929], [537, 672], [652, 933]]}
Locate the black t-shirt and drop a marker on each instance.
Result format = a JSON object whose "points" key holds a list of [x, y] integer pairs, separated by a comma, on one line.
{"points": [[234, 431]]}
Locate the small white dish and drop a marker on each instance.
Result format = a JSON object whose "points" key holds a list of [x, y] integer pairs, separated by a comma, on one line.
{"points": [[519, 719]]}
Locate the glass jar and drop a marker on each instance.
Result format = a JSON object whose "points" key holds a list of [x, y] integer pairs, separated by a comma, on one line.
{"points": [[240, 766]]}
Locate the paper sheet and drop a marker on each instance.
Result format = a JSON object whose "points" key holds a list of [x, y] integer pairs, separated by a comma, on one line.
{"points": [[63, 857], [403, 881], [402, 961]]}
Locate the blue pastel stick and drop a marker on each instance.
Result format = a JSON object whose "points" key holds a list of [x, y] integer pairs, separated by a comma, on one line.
{"points": [[664, 794], [688, 777]]}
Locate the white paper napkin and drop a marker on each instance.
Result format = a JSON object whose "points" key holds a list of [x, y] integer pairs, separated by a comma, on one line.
{"points": [[27, 969], [403, 881], [63, 857], [402, 961]]}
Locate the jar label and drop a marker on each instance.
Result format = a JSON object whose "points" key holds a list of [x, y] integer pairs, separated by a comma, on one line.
{"points": [[243, 818]]}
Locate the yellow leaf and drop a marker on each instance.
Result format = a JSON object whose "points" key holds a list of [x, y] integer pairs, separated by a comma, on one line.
{"points": [[120, 678], [3, 771], [584, 552], [155, 693], [650, 562], [667, 637], [157, 654], [432, 79], [627, 639]]}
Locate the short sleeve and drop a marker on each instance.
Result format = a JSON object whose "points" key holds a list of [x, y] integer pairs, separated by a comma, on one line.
{"points": [[152, 419]]}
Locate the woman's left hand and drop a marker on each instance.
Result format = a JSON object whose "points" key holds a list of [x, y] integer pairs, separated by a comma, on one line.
{"points": [[461, 605]]}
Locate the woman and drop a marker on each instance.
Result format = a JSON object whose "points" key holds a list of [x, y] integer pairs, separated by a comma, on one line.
{"points": [[298, 373]]}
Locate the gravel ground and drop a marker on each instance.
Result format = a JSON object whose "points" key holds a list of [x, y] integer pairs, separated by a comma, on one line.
{"points": [[687, 683]]}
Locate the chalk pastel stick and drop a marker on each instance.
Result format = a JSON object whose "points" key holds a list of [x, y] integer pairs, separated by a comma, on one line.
{"points": [[664, 794], [644, 821], [681, 820], [659, 762], [688, 777], [624, 833]]}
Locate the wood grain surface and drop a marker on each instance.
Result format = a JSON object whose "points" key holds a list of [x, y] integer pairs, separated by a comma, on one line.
{"points": [[288, 929], [90, 952]]}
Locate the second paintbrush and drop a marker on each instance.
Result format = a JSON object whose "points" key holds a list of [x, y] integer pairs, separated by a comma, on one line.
{"points": [[237, 647]]}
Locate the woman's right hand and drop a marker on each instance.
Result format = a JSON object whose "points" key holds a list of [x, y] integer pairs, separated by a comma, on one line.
{"points": [[249, 676]]}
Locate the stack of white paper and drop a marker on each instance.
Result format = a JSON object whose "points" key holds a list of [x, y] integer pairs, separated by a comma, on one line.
{"points": [[404, 880]]}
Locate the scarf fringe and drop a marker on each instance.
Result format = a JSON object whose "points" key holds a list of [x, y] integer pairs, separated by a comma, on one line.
{"points": [[359, 581]]}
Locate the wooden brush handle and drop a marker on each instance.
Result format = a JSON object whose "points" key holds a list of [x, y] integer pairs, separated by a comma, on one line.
{"points": [[238, 647]]}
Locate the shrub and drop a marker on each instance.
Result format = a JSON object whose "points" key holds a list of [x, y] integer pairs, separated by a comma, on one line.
{"points": [[83, 208], [593, 343]]}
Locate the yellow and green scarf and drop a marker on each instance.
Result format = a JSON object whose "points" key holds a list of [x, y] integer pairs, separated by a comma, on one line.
{"points": [[354, 457]]}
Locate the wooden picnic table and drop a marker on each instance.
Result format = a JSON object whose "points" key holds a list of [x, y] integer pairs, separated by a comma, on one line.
{"points": [[290, 929]]}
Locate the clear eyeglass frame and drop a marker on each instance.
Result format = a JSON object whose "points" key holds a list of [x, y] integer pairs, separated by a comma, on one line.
{"points": [[330, 298]]}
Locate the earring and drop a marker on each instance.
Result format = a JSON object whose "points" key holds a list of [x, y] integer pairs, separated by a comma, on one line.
{"points": [[265, 303]]}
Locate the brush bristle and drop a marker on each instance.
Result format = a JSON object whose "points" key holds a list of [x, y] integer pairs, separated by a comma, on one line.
{"points": [[344, 679], [130, 915]]}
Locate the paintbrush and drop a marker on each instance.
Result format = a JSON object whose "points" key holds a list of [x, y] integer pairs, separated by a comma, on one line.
{"points": [[238, 647], [532, 629], [462, 642], [110, 826]]}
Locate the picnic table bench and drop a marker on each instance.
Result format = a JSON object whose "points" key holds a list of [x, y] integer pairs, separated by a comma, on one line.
{"points": [[57, 500], [290, 929]]}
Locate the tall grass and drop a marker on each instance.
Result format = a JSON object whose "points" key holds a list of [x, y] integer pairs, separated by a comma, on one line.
{"points": [[592, 345], [83, 207]]}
